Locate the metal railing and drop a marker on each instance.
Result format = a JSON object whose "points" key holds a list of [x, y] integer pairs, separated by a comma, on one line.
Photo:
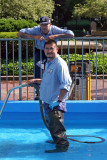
{"points": [[88, 84]]}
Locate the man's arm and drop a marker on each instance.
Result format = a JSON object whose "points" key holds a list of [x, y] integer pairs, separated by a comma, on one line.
{"points": [[62, 94], [64, 35], [25, 35], [58, 33]]}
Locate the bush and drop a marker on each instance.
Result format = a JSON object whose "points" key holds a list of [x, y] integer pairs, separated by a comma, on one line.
{"points": [[8, 35], [16, 67], [92, 61], [12, 25], [79, 24], [65, 57], [78, 33]]}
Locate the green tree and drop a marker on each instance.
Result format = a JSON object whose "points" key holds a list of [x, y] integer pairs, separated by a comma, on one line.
{"points": [[63, 11], [28, 9], [92, 9]]}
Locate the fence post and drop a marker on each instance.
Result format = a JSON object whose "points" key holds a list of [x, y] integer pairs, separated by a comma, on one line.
{"points": [[20, 68], [0, 70]]}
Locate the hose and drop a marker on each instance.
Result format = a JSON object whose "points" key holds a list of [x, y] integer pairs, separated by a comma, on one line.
{"points": [[43, 116]]}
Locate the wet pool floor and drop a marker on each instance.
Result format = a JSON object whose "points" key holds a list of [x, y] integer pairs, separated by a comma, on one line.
{"points": [[26, 140]]}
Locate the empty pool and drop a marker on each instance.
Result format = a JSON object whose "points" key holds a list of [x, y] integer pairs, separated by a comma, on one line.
{"points": [[23, 134]]}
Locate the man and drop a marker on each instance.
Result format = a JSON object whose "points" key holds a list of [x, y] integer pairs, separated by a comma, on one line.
{"points": [[41, 34], [54, 87]]}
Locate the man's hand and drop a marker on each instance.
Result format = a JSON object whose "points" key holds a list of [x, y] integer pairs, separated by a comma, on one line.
{"points": [[31, 82], [53, 104], [51, 37], [40, 38]]}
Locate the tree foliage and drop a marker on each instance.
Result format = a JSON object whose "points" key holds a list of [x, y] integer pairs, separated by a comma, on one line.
{"points": [[28, 9], [63, 11], [91, 9]]}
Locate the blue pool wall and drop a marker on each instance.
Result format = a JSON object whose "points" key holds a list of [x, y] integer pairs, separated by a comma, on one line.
{"points": [[76, 110], [72, 106]]}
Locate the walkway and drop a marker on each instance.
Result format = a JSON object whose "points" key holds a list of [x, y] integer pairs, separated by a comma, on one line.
{"points": [[31, 90]]}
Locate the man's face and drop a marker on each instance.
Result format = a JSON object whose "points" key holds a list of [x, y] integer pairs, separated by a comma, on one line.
{"points": [[51, 51], [45, 28]]}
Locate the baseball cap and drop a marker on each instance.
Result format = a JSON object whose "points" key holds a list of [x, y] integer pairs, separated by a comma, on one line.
{"points": [[45, 20]]}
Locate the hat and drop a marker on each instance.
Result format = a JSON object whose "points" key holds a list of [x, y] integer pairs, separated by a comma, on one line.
{"points": [[45, 20]]}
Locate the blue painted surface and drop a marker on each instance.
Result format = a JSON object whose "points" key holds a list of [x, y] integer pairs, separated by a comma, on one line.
{"points": [[76, 110], [72, 106], [23, 134]]}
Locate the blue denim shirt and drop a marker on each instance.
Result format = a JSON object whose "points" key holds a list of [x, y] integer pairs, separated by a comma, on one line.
{"points": [[37, 31], [55, 78]]}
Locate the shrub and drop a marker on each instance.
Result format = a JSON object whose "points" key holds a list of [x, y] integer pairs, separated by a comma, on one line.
{"points": [[65, 57], [8, 35], [92, 61], [79, 24], [12, 25]]}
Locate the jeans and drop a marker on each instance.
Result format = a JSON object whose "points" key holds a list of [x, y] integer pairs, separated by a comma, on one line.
{"points": [[39, 65]]}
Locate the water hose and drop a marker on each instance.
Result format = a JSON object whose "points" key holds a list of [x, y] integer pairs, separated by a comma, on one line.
{"points": [[16, 87], [43, 116], [40, 102]]}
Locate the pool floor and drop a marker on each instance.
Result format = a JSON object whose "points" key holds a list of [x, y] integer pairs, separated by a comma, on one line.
{"points": [[26, 140]]}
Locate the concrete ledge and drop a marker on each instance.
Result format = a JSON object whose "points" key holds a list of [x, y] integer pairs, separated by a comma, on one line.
{"points": [[17, 77], [99, 33], [10, 78], [79, 45], [98, 76]]}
